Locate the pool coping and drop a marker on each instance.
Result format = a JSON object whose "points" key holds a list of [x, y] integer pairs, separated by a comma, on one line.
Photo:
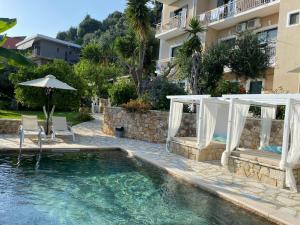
{"points": [[244, 202]]}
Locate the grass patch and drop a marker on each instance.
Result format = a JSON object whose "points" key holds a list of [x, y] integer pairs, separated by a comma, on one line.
{"points": [[73, 117]]}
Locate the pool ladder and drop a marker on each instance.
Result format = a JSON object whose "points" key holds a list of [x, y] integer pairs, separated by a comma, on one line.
{"points": [[40, 150]]}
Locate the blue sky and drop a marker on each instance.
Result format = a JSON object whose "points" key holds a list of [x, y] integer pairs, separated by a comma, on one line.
{"points": [[50, 16]]}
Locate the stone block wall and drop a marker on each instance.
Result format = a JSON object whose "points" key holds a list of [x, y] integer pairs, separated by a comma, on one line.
{"points": [[151, 126], [251, 134], [207, 154], [266, 174], [11, 126]]}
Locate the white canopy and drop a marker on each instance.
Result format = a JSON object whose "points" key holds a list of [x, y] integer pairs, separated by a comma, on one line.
{"points": [[291, 134], [49, 81], [207, 115]]}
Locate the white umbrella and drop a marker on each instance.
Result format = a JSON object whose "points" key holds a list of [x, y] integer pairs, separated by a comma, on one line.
{"points": [[49, 82]]}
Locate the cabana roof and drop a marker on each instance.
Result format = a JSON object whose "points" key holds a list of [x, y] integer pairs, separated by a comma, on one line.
{"points": [[262, 99]]}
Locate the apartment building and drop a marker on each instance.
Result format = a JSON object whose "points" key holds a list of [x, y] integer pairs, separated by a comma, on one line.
{"points": [[43, 49], [277, 23]]}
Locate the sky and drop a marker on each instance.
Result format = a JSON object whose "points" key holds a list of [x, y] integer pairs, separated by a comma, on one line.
{"points": [[48, 17]]}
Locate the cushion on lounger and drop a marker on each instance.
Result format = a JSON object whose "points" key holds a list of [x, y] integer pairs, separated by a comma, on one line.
{"points": [[273, 148], [219, 138]]}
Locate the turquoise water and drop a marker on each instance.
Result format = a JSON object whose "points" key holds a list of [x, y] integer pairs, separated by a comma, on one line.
{"points": [[104, 188]]}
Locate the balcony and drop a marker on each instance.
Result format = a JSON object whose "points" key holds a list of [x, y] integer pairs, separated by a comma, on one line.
{"points": [[238, 11], [171, 27]]}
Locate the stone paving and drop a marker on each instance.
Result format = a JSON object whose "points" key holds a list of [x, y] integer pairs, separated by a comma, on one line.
{"points": [[278, 205]]}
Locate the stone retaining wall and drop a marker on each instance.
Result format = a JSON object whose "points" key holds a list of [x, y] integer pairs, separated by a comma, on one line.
{"points": [[250, 136], [11, 126], [151, 126]]}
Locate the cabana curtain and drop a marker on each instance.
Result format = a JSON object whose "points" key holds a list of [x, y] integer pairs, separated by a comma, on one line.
{"points": [[209, 119], [175, 119], [238, 120], [294, 151], [267, 115]]}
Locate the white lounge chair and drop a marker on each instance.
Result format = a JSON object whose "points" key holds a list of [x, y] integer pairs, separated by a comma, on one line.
{"points": [[30, 127], [61, 128]]}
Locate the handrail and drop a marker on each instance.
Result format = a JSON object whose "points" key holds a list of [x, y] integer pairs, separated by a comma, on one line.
{"points": [[170, 23], [231, 9]]}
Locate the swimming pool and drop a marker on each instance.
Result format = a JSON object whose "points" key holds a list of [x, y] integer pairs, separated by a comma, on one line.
{"points": [[104, 187]]}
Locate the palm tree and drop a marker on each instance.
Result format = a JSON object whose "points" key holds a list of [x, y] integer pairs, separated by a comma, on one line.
{"points": [[190, 55], [138, 18], [196, 49], [9, 57]]}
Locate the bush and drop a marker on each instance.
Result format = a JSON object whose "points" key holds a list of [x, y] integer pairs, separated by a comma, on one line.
{"points": [[85, 114], [35, 98], [138, 105], [122, 92], [159, 90], [226, 87]]}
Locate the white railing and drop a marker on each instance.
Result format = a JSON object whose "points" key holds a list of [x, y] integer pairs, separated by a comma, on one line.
{"points": [[178, 21], [163, 64], [231, 9], [271, 50]]}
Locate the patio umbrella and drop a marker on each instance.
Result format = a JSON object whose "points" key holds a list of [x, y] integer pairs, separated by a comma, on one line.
{"points": [[50, 83]]}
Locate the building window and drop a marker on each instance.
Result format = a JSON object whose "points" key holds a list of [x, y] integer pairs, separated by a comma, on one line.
{"points": [[178, 11], [57, 50], [294, 18], [230, 42], [174, 51], [268, 36]]}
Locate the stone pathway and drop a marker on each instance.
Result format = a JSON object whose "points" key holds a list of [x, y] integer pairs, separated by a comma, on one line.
{"points": [[277, 204]]}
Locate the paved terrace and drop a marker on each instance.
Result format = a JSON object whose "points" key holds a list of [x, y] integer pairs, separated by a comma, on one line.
{"points": [[282, 206]]}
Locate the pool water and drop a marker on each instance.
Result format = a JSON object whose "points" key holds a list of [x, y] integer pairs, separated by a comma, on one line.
{"points": [[104, 188]]}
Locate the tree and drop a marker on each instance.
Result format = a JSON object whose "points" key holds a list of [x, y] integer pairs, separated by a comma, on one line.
{"points": [[97, 77], [249, 59], [215, 58], [88, 25], [70, 35], [138, 18], [92, 52], [189, 58]]}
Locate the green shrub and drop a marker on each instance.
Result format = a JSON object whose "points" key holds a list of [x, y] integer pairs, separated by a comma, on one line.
{"points": [[35, 98], [160, 88], [138, 105], [226, 87], [85, 114], [122, 92]]}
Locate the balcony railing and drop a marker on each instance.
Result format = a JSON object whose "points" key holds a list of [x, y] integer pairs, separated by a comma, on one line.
{"points": [[231, 9], [271, 51], [178, 21], [164, 64]]}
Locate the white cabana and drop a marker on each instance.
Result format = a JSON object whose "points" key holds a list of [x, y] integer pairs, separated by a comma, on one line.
{"points": [[239, 107], [207, 117]]}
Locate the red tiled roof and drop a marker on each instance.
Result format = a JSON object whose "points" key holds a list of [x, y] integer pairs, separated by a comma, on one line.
{"points": [[12, 41]]}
